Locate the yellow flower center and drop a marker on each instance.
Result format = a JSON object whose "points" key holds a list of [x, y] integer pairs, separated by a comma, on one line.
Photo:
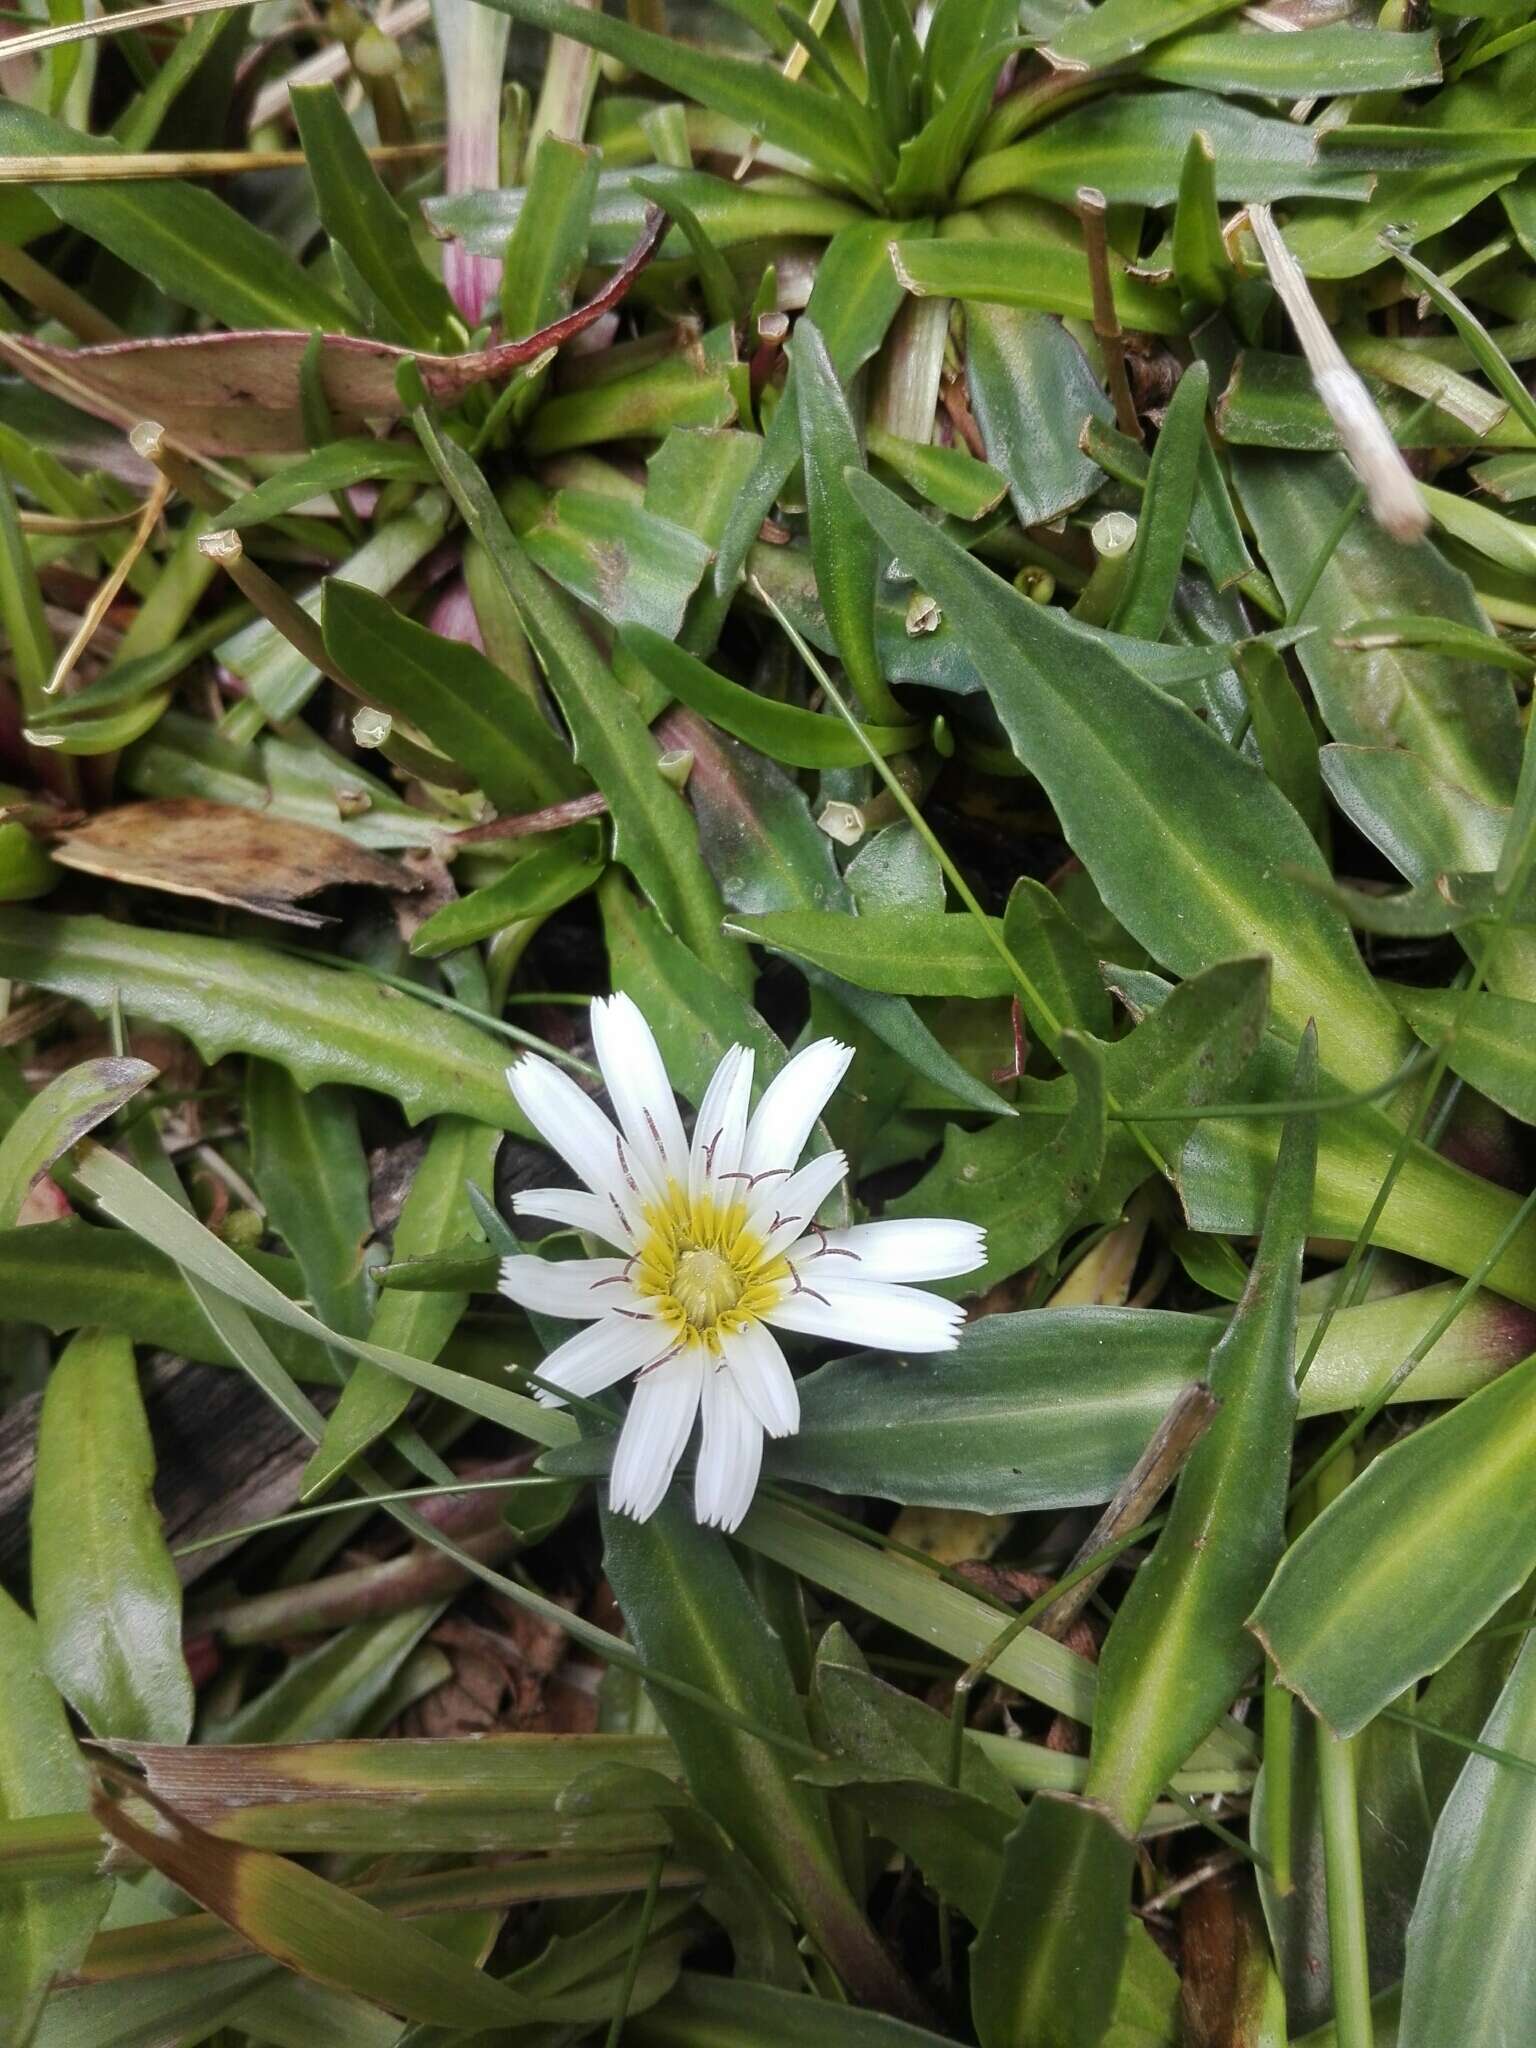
{"points": [[707, 1274]]}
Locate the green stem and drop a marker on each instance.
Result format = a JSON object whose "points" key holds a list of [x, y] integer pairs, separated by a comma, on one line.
{"points": [[1279, 1718], [1347, 1947]]}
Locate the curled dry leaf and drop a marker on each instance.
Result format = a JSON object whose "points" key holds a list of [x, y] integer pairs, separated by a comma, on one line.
{"points": [[240, 393], [224, 854]]}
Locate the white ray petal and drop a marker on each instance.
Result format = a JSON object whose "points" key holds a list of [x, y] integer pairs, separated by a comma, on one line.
{"points": [[600, 1356], [901, 1248], [783, 1210], [571, 1124], [791, 1103], [661, 1412], [869, 1313], [578, 1209], [579, 1290], [722, 1125], [640, 1092], [730, 1453], [763, 1378]]}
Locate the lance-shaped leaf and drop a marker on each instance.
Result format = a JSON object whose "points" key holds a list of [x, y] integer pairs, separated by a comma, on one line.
{"points": [[362, 219], [551, 875], [1398, 1572], [852, 304], [1046, 1964], [1458, 717], [802, 739], [653, 834], [308, 1164], [199, 251], [437, 1213], [452, 693], [1051, 1408], [1025, 1185], [1489, 1041], [331, 1936], [1163, 814], [843, 546], [104, 1587], [1471, 1969], [834, 135], [228, 995], [45, 1922], [1177, 1651], [1166, 505], [1033, 394], [897, 952], [72, 1104], [692, 1614]]}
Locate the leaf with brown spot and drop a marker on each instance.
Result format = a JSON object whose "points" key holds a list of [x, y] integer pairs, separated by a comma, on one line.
{"points": [[251, 860], [330, 1936], [239, 393]]}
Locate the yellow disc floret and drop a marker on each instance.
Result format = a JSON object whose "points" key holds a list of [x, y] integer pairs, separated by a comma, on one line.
{"points": [[706, 1274]]}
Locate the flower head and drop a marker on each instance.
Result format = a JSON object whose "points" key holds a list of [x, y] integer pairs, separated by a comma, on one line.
{"points": [[716, 1245]]}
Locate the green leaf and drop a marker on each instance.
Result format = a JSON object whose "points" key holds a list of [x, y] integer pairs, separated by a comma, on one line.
{"points": [[691, 1614], [922, 1605], [547, 248], [852, 304], [900, 952], [1032, 263], [1341, 59], [552, 875], [1200, 260], [793, 115], [335, 467], [1403, 1568], [189, 244], [696, 1016], [843, 548], [894, 1767], [1118, 29], [756, 833], [729, 213], [803, 739], [67, 1274], [1469, 1967], [728, 2012], [278, 676], [1177, 1652], [72, 1104], [1167, 504], [627, 563], [45, 1923], [365, 224], [1056, 956], [1134, 144], [1189, 822], [104, 1587], [950, 478], [308, 1164], [1067, 1876], [1489, 1038], [449, 691], [1033, 393], [929, 162], [229, 995], [1024, 1183], [437, 1213], [653, 834]]}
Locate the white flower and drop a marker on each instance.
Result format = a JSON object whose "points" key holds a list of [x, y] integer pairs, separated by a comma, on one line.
{"points": [[714, 1242]]}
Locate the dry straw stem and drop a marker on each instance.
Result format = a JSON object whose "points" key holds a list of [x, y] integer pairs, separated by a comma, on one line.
{"points": [[1390, 488]]}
